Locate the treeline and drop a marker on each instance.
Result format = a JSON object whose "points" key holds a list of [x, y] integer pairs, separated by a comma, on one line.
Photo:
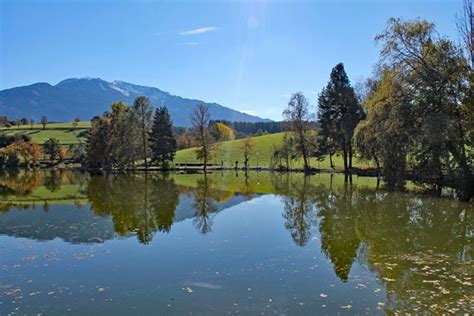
{"points": [[5, 122], [19, 150], [128, 134], [244, 129], [414, 117]]}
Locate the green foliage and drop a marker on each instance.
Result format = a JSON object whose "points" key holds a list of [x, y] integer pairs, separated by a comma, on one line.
{"points": [[338, 115], [52, 148], [284, 153], [98, 151], [384, 136], [125, 137], [162, 140], [114, 139], [421, 110]]}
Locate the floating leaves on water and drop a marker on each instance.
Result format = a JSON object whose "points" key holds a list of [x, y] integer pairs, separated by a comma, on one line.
{"points": [[348, 306], [188, 289], [100, 289], [323, 295]]}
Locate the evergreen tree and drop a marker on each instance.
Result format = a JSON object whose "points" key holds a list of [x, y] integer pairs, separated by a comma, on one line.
{"points": [[338, 115], [162, 141]]}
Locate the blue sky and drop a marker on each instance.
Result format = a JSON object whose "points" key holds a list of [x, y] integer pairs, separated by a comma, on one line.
{"points": [[248, 55]]}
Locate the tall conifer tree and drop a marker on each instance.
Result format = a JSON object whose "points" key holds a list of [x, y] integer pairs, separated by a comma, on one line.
{"points": [[162, 141]]}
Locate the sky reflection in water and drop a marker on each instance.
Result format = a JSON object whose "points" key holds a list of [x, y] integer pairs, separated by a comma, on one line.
{"points": [[75, 243]]}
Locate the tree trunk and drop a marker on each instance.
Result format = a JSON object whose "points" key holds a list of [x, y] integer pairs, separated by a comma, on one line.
{"points": [[350, 157], [144, 150], [344, 151], [330, 161]]}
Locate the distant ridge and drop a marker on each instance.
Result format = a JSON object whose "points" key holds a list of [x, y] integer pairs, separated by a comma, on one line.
{"points": [[87, 97]]}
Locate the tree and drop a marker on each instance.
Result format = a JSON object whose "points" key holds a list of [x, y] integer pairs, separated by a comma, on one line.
{"points": [[247, 146], [465, 25], [76, 122], [125, 137], [438, 78], [44, 121], [114, 140], [384, 136], [24, 121], [28, 151], [77, 152], [52, 148], [204, 205], [143, 112], [338, 114], [98, 147], [298, 122], [17, 123], [3, 120], [32, 123], [185, 139], [284, 153], [162, 141], [200, 120], [222, 132]]}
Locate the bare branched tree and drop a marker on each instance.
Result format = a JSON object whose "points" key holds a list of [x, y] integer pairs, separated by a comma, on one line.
{"points": [[465, 25], [298, 121], [200, 120]]}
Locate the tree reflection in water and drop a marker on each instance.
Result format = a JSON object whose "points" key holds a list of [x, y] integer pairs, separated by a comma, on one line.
{"points": [[204, 204], [419, 247], [141, 204], [299, 210]]}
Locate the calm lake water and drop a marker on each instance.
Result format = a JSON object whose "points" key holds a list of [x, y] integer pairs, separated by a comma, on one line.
{"points": [[226, 243]]}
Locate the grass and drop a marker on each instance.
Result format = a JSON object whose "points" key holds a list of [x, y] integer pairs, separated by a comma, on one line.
{"points": [[227, 152], [231, 151], [59, 125], [64, 132]]}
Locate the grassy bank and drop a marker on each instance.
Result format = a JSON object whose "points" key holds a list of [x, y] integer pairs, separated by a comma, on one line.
{"points": [[227, 152], [64, 132], [231, 151]]}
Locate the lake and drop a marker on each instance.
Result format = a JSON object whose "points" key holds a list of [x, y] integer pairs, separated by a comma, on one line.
{"points": [[229, 243]]}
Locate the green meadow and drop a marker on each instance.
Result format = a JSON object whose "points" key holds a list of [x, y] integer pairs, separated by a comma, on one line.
{"points": [[65, 132], [263, 147], [227, 152]]}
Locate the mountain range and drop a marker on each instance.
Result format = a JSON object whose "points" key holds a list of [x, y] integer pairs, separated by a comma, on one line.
{"points": [[87, 97]]}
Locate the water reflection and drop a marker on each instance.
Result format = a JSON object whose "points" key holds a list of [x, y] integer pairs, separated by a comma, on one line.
{"points": [[204, 204], [419, 247], [141, 205]]}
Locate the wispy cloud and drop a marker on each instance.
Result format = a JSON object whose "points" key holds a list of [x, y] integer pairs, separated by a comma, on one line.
{"points": [[199, 30]]}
